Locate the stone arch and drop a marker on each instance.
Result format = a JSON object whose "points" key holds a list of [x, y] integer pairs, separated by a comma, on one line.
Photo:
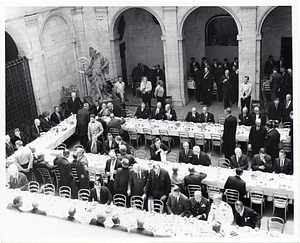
{"points": [[262, 19]]}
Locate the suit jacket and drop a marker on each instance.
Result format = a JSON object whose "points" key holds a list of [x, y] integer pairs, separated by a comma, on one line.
{"points": [[286, 111], [75, 105], [236, 183], [83, 118], [22, 138], [198, 78], [286, 169], [257, 138], [95, 129], [249, 218], [119, 227], [82, 173], [37, 211], [9, 149], [226, 85], [115, 123], [65, 170], [185, 158], [45, 125], [118, 112], [196, 64], [268, 68], [107, 167], [200, 208], [127, 156], [54, 118], [96, 223], [158, 186], [242, 163], [207, 81], [246, 121], [94, 110], [256, 162], [151, 75], [153, 149], [34, 132], [136, 74], [275, 79], [106, 146], [99, 145], [21, 182], [210, 118], [138, 185], [190, 117], [177, 207], [121, 181], [173, 113], [271, 143], [275, 114], [194, 179], [202, 160], [261, 116], [218, 73], [159, 116], [142, 114], [142, 231], [105, 195], [122, 143], [229, 129]]}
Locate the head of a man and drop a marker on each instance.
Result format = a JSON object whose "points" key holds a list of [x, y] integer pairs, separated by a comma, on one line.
{"points": [[204, 110], [143, 105], [79, 152], [118, 139], [144, 79], [194, 110], [175, 191], [270, 58], [262, 153], [227, 111], [192, 170], [122, 149], [46, 114], [239, 206], [109, 136], [110, 106], [119, 79], [276, 101], [140, 222], [282, 154], [158, 105], [92, 118], [19, 144], [157, 142], [238, 152], [167, 107], [17, 132], [256, 110], [192, 59], [116, 219], [86, 106], [217, 199], [196, 150], [291, 115], [56, 109], [72, 212], [18, 201], [258, 122], [185, 145], [7, 138], [239, 171], [156, 168], [35, 204], [37, 122], [103, 106], [101, 218], [288, 97], [92, 52], [66, 153], [227, 73], [246, 79], [198, 196]]}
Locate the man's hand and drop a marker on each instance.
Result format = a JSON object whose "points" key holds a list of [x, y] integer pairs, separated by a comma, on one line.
{"points": [[144, 196], [262, 167], [128, 192], [163, 197], [250, 147]]}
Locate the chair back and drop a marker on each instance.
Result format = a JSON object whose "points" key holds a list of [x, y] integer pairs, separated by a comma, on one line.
{"points": [[224, 163], [148, 133], [158, 206], [114, 132], [129, 113], [172, 157], [286, 145], [137, 202], [57, 177], [141, 154], [164, 135], [221, 119], [65, 191], [212, 190], [62, 146], [49, 189], [45, 174], [275, 224], [199, 139], [132, 132], [183, 137], [286, 125], [92, 175], [231, 196], [256, 196], [216, 139], [192, 188], [280, 200], [119, 200], [75, 176], [33, 186], [84, 194]]}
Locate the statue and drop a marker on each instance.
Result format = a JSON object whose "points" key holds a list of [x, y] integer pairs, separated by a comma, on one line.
{"points": [[99, 66]]}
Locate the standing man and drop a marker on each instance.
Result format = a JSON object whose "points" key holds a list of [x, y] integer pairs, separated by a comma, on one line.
{"points": [[246, 216], [111, 167], [234, 73], [275, 80], [198, 78], [268, 69], [236, 183], [245, 93], [207, 86], [230, 125], [95, 128], [287, 108], [83, 118], [194, 64], [74, 103], [272, 140], [275, 110], [137, 181], [226, 83], [121, 179], [146, 88], [219, 72]]}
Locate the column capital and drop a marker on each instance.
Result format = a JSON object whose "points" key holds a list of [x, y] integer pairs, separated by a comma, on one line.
{"points": [[101, 13], [77, 10], [170, 8], [31, 20]]}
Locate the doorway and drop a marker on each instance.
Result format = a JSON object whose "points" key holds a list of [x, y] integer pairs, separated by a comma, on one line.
{"points": [[286, 51]]}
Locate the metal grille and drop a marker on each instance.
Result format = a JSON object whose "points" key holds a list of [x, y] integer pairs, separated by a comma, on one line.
{"points": [[20, 103]]}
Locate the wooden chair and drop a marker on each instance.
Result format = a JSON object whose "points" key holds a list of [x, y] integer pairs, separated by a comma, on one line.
{"points": [[119, 200], [224, 163], [183, 137], [33, 186], [45, 174], [164, 136], [49, 189], [275, 224], [133, 135], [64, 191], [137, 202], [172, 157], [75, 176], [280, 201], [231, 196], [200, 140], [216, 141], [192, 188], [129, 113], [221, 119], [286, 145], [141, 154], [62, 146], [114, 132], [257, 197], [158, 206], [286, 125], [77, 146], [212, 190], [148, 135], [84, 194], [57, 177], [92, 175]]}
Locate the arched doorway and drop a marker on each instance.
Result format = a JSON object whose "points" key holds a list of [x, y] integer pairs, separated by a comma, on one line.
{"points": [[136, 39]]}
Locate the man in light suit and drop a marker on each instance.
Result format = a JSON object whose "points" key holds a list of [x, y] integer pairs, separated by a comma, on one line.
{"points": [[199, 157], [283, 164], [185, 154], [95, 128], [137, 181], [236, 183], [246, 216], [238, 160], [262, 161], [177, 203], [206, 116]]}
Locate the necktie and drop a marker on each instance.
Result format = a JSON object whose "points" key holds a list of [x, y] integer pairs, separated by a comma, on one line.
{"points": [[94, 147], [282, 163], [186, 152], [139, 176], [157, 111], [287, 104]]}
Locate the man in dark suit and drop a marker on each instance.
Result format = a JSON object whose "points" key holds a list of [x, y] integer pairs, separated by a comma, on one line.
{"points": [[157, 148], [170, 113], [268, 69], [65, 170], [140, 228], [123, 153], [137, 181], [262, 161], [151, 76], [234, 89], [9, 148], [193, 116], [83, 118], [136, 75], [177, 202], [280, 63], [116, 122], [287, 108], [111, 167], [257, 136], [236, 183], [74, 103], [35, 209], [96, 108], [109, 144], [226, 84], [16, 204], [206, 116], [119, 141], [56, 116], [194, 178], [244, 118], [99, 221], [238, 160], [45, 122], [283, 164], [229, 132], [18, 135], [116, 110], [117, 226], [198, 206], [94, 146], [257, 115], [159, 183], [275, 110], [198, 78], [100, 193], [226, 64], [214, 66], [35, 129], [271, 141], [199, 157], [194, 64], [121, 178], [234, 63], [275, 80], [81, 165], [157, 113], [185, 154], [246, 216], [218, 73], [142, 111], [207, 86], [71, 217], [285, 85]]}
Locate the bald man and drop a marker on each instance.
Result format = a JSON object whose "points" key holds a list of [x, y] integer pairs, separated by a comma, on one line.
{"points": [[35, 209], [83, 118], [206, 116], [193, 116], [35, 129], [238, 160]]}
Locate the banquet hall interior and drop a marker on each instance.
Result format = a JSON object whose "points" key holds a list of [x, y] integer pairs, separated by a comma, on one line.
{"points": [[160, 121]]}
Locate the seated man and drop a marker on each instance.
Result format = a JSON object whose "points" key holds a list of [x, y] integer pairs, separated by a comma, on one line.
{"points": [[95, 108], [238, 160], [123, 154], [236, 183], [56, 116], [71, 217], [117, 226], [45, 122], [206, 116], [193, 116], [109, 144], [220, 211], [275, 110], [119, 141], [170, 113], [194, 178], [262, 162], [199, 157], [283, 164], [35, 129], [35, 209], [16, 204], [157, 113], [94, 146], [99, 221], [116, 110], [9, 147], [157, 148], [140, 228], [17, 179], [246, 216], [18, 135], [244, 118], [142, 111], [198, 206], [185, 154], [177, 203], [257, 115], [116, 122], [100, 193]]}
